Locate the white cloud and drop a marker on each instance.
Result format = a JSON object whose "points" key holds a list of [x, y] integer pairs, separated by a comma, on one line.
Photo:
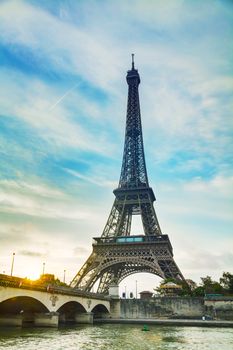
{"points": [[39, 200], [68, 42], [199, 202], [33, 188], [99, 181], [184, 76], [219, 187], [57, 126], [60, 44]]}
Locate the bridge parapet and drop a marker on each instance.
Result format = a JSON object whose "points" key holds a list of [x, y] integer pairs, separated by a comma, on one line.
{"points": [[17, 282]]}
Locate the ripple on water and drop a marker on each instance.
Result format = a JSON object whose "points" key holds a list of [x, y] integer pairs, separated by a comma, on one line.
{"points": [[117, 337]]}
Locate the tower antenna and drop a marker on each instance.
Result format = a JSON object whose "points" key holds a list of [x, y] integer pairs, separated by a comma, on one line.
{"points": [[132, 60]]}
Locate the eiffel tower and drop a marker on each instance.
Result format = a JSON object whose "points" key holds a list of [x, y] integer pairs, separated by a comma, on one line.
{"points": [[117, 254]]}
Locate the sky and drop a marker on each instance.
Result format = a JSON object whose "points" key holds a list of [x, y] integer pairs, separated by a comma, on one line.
{"points": [[63, 98]]}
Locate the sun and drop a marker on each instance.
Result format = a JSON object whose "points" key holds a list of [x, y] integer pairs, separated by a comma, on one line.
{"points": [[32, 272]]}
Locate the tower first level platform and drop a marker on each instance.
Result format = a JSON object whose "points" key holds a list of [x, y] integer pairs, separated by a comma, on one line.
{"points": [[114, 258]]}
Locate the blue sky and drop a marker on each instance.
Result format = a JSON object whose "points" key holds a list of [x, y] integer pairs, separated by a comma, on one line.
{"points": [[63, 100]]}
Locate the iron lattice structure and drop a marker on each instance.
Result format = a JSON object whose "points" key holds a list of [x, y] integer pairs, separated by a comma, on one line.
{"points": [[117, 254]]}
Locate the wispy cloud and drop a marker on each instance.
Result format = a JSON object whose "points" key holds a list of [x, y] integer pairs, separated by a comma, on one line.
{"points": [[32, 253], [39, 200], [64, 47], [81, 251], [33, 188], [63, 104], [98, 181], [62, 97]]}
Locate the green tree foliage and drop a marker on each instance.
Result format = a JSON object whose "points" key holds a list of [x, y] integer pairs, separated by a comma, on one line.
{"points": [[198, 292], [210, 286], [186, 289], [226, 282], [207, 286], [49, 279]]}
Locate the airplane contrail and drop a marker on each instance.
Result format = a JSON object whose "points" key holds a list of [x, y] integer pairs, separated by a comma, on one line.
{"points": [[62, 97]]}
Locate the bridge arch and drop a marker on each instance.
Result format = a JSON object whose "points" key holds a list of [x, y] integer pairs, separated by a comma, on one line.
{"points": [[11, 293], [23, 308], [100, 311], [21, 304], [69, 311]]}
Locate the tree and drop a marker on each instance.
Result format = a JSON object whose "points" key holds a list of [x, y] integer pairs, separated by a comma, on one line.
{"points": [[192, 285], [226, 282], [198, 291], [210, 286], [49, 279]]}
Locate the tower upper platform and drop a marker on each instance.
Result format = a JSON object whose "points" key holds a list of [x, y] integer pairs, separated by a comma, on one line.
{"points": [[132, 75]]}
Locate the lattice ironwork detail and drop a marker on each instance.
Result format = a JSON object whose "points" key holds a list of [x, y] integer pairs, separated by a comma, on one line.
{"points": [[112, 258]]}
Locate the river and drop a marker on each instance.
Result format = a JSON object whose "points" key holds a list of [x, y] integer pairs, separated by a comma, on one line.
{"points": [[117, 337]]}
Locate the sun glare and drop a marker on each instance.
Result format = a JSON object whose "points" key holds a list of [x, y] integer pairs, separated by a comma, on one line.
{"points": [[32, 273]]}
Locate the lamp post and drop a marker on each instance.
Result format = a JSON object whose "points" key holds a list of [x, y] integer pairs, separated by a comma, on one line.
{"points": [[12, 263], [125, 292], [64, 277], [136, 291], [43, 268]]}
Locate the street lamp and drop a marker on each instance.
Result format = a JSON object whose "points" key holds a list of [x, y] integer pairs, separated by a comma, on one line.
{"points": [[43, 268], [136, 289], [64, 277], [12, 263]]}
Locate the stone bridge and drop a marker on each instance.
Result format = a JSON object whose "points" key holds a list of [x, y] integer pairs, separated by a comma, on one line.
{"points": [[49, 306]]}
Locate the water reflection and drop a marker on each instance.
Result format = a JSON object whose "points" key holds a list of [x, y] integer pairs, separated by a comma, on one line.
{"points": [[116, 337]]}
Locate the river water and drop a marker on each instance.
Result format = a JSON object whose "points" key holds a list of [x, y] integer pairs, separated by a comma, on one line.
{"points": [[117, 337]]}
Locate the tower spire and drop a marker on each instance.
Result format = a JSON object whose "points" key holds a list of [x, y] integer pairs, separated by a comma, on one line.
{"points": [[132, 60]]}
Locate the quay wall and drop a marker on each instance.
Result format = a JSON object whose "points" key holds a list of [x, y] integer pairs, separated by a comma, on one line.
{"points": [[171, 307], [177, 308], [220, 308]]}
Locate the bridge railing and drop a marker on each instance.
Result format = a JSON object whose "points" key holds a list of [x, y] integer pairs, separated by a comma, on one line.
{"points": [[17, 282]]}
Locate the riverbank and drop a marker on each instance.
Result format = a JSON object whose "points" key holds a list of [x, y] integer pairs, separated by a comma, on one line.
{"points": [[168, 322]]}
